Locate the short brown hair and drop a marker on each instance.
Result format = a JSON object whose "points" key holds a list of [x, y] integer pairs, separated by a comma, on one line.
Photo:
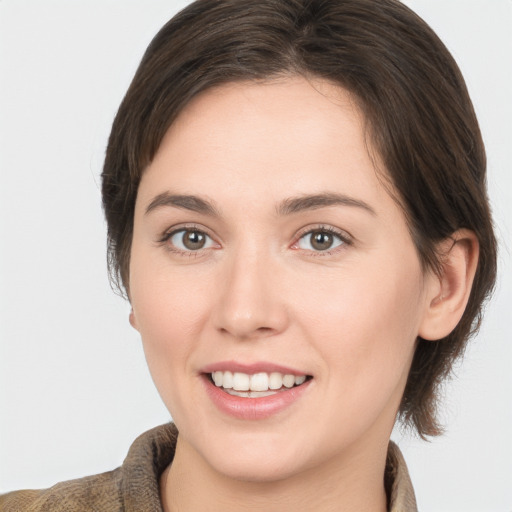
{"points": [[420, 120]]}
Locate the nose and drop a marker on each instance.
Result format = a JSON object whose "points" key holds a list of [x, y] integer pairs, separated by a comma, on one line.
{"points": [[250, 300]]}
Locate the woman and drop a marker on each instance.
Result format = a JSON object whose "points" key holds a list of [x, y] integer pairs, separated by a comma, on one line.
{"points": [[295, 198]]}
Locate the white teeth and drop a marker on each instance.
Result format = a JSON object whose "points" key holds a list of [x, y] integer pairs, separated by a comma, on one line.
{"points": [[217, 378], [275, 380], [250, 394], [289, 381], [260, 383], [300, 379], [241, 381], [227, 380]]}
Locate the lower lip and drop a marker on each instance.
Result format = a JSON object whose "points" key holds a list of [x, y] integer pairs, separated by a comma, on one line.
{"points": [[253, 408]]}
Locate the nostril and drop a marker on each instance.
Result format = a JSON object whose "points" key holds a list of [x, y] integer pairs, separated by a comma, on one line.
{"points": [[247, 334], [265, 330]]}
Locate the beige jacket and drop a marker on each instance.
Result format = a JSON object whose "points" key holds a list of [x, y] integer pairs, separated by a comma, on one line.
{"points": [[133, 487]]}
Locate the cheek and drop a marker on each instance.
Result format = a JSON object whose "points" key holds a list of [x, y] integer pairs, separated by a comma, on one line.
{"points": [[170, 309], [167, 300], [167, 337], [362, 299], [365, 323]]}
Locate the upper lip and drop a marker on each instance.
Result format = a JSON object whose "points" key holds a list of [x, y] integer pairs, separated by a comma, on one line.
{"points": [[250, 368]]}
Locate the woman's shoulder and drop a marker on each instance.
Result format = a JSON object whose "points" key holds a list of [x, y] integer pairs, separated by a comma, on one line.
{"points": [[98, 492], [131, 487]]}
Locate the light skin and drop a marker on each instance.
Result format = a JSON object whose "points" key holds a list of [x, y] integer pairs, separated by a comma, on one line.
{"points": [[253, 170]]}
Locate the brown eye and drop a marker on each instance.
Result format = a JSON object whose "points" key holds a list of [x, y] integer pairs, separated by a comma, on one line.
{"points": [[320, 240], [190, 240], [193, 240]]}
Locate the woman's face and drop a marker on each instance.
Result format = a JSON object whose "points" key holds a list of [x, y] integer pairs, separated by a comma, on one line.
{"points": [[265, 245]]}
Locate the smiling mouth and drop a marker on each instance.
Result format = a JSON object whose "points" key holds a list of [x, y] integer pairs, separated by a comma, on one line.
{"points": [[256, 385]]}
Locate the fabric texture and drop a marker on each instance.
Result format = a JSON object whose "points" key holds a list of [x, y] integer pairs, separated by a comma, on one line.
{"points": [[134, 487]]}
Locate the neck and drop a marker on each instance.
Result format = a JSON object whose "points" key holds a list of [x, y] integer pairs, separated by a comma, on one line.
{"points": [[354, 483]]}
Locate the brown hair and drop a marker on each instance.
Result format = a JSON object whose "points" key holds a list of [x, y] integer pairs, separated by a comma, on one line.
{"points": [[420, 120]]}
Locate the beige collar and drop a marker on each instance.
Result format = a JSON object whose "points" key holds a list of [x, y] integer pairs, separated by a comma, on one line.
{"points": [[399, 488]]}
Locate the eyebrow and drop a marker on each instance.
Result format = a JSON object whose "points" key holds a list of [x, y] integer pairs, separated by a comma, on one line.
{"points": [[315, 201], [184, 202], [287, 207]]}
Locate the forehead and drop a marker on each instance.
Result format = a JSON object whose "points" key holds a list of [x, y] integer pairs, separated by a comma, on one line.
{"points": [[305, 111], [288, 136]]}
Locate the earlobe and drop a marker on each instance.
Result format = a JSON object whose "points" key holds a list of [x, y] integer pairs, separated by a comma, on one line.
{"points": [[133, 320], [448, 293]]}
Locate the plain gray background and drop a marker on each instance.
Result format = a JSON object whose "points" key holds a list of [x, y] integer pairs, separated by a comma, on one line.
{"points": [[74, 388]]}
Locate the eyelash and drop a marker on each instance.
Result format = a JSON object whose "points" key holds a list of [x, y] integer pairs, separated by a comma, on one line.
{"points": [[344, 238]]}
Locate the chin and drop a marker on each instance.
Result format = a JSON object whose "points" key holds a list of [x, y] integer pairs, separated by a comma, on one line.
{"points": [[257, 469], [254, 457]]}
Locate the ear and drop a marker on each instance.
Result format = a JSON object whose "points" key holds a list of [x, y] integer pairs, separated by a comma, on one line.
{"points": [[448, 293], [133, 320]]}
